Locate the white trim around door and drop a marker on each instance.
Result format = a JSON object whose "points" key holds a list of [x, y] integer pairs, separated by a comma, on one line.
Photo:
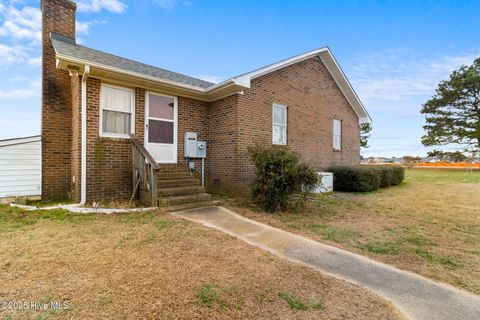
{"points": [[162, 152]]}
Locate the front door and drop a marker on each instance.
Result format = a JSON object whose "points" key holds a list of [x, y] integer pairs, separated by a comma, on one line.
{"points": [[161, 118]]}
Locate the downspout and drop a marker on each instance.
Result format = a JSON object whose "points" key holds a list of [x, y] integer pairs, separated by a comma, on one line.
{"points": [[83, 192]]}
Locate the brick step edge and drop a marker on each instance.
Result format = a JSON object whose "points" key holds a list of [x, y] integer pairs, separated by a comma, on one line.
{"points": [[189, 206], [179, 200], [174, 175], [177, 183], [179, 191]]}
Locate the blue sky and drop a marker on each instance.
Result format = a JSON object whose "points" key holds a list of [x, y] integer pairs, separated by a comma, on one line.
{"points": [[393, 52]]}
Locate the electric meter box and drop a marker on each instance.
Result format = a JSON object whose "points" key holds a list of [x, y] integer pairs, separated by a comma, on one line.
{"points": [[201, 149], [190, 145], [193, 147]]}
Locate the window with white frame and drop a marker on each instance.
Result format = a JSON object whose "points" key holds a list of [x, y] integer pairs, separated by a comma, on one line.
{"points": [[116, 111], [279, 129], [337, 134]]}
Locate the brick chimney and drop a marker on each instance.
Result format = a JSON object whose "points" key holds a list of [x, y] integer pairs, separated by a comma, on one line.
{"points": [[58, 16]]}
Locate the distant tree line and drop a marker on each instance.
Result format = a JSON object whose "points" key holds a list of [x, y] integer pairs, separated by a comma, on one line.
{"points": [[455, 156]]}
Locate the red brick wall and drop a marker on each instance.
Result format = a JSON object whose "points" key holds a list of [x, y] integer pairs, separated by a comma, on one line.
{"points": [[109, 167], [221, 162], [232, 124], [313, 100], [140, 113], [57, 16], [192, 117], [229, 125]]}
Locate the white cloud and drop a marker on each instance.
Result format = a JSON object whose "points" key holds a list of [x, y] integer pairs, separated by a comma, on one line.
{"points": [[115, 6], [167, 4], [390, 78], [30, 91], [10, 55], [210, 78], [16, 54], [393, 84], [171, 4], [23, 24], [83, 28], [35, 61], [21, 29]]}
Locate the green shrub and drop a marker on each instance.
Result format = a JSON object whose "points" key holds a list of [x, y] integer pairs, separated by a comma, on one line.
{"points": [[365, 178], [355, 178], [307, 177], [398, 175], [386, 176], [279, 174]]}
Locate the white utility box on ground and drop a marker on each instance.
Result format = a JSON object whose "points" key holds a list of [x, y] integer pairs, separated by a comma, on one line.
{"points": [[325, 184]]}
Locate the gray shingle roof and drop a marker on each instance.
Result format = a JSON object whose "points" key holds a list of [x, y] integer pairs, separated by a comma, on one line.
{"points": [[67, 46]]}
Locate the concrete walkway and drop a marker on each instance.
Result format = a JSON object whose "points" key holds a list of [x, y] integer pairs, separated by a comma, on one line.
{"points": [[415, 296]]}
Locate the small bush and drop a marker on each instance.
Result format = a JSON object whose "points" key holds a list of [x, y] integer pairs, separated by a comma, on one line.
{"points": [[279, 174], [307, 177], [398, 175], [386, 173], [365, 178], [355, 178]]}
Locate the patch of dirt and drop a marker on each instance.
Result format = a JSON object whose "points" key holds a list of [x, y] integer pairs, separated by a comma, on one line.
{"points": [[152, 266]]}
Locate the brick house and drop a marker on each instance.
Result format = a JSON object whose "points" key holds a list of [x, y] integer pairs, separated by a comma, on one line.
{"points": [[112, 125]]}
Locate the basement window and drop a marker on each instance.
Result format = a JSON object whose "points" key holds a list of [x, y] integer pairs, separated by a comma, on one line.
{"points": [[337, 134], [279, 128], [117, 118]]}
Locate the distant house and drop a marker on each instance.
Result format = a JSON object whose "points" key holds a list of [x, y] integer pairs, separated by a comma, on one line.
{"points": [[113, 127]]}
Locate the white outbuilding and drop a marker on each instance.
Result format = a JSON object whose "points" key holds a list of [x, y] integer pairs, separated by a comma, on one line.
{"points": [[21, 167]]}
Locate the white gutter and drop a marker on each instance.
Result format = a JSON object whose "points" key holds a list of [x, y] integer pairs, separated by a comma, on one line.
{"points": [[83, 192], [241, 81]]}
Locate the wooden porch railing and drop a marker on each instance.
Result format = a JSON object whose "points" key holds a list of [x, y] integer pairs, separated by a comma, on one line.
{"points": [[144, 172]]}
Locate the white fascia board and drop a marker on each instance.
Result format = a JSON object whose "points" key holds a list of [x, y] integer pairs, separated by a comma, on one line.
{"points": [[219, 86], [245, 79], [284, 63], [240, 81], [365, 120]]}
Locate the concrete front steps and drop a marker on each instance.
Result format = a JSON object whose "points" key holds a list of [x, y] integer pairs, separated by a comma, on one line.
{"points": [[178, 189], [188, 206]]}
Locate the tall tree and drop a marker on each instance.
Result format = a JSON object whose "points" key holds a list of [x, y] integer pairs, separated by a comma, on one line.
{"points": [[453, 114], [365, 129], [438, 154], [454, 156]]}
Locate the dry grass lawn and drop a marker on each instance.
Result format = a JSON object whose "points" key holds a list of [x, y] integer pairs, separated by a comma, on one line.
{"points": [[429, 225], [155, 266]]}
